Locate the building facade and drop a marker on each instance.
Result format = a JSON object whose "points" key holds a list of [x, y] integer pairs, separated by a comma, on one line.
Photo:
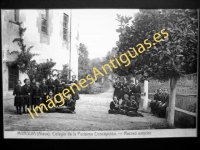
{"points": [[52, 32]]}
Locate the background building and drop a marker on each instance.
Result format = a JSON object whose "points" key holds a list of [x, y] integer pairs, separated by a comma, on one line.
{"points": [[52, 32]]}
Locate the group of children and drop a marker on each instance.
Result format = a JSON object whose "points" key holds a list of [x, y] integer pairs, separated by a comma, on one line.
{"points": [[126, 97], [32, 94], [160, 102], [122, 87]]}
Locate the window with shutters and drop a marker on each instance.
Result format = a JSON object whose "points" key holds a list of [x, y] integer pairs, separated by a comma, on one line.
{"points": [[45, 21], [65, 26], [16, 15]]}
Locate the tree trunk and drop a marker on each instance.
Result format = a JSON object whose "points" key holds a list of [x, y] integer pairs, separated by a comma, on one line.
{"points": [[172, 99]]}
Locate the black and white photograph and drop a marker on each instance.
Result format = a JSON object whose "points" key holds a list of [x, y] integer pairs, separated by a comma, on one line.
{"points": [[99, 73]]}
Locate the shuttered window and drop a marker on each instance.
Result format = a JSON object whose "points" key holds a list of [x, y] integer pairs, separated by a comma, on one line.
{"points": [[45, 21], [65, 26], [16, 15]]}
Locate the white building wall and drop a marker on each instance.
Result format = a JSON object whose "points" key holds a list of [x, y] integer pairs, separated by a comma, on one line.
{"points": [[47, 46]]}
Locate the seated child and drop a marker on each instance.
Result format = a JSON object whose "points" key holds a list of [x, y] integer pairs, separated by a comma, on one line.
{"points": [[114, 106], [50, 96], [163, 104], [154, 103], [123, 107], [132, 108], [70, 103], [132, 104], [68, 107], [162, 109]]}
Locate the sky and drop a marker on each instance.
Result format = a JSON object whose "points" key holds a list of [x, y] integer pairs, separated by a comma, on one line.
{"points": [[97, 29]]}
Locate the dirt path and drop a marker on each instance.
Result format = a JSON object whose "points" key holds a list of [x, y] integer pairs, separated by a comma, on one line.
{"points": [[91, 114]]}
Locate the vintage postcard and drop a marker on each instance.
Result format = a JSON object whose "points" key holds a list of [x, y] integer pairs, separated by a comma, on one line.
{"points": [[99, 73]]}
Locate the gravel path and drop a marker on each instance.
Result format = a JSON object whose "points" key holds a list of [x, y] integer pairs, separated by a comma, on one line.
{"points": [[91, 115]]}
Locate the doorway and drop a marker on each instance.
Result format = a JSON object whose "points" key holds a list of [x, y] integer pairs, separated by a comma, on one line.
{"points": [[13, 77]]}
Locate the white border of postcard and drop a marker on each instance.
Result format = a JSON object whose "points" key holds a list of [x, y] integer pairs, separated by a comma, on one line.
{"points": [[165, 133]]}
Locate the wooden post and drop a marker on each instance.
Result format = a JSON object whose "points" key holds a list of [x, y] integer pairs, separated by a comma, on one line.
{"points": [[146, 100], [172, 98]]}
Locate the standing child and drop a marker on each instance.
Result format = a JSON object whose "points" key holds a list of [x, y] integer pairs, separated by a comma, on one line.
{"points": [[132, 88], [58, 84], [44, 89], [51, 84], [116, 87], [75, 96], [137, 92], [126, 88], [33, 83], [37, 95], [18, 100], [26, 91]]}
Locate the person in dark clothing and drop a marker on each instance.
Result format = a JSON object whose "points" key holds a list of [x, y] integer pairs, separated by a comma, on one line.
{"points": [[154, 102], [26, 91], [126, 88], [124, 105], [158, 99], [122, 86], [137, 92], [164, 104], [37, 95], [114, 106], [132, 104], [50, 95], [65, 82], [132, 108], [33, 83], [44, 90], [75, 96], [132, 89], [116, 87], [19, 99], [50, 84], [70, 103], [58, 85]]}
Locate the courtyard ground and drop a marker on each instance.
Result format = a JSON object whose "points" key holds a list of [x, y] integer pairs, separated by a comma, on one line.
{"points": [[91, 115]]}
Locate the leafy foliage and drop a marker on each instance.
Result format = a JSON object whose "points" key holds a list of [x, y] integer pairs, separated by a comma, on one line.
{"points": [[97, 63], [65, 72], [44, 69], [24, 59], [172, 57], [83, 61], [41, 70]]}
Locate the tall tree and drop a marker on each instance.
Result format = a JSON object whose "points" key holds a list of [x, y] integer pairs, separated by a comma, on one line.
{"points": [[173, 56], [83, 61], [65, 71], [97, 63]]}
